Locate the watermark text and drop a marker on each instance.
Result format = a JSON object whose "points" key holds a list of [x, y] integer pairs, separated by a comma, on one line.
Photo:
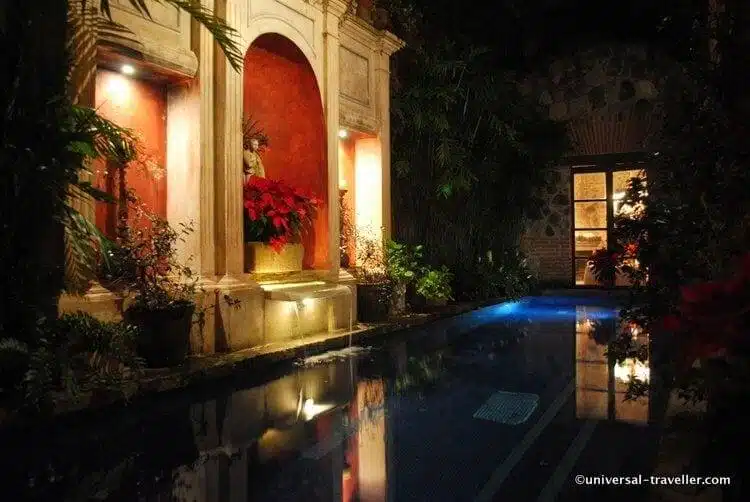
{"points": [[681, 480]]}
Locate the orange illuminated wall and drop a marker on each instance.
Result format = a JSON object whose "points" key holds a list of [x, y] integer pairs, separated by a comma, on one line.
{"points": [[368, 178], [282, 95], [142, 107]]}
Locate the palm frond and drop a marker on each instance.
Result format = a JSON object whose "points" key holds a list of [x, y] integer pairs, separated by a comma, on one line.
{"points": [[83, 245]]}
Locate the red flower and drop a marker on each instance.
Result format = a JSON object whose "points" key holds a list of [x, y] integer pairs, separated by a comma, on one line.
{"points": [[702, 292], [671, 323], [275, 211]]}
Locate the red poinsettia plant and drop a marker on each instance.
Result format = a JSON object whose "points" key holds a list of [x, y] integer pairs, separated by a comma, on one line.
{"points": [[713, 317], [276, 213], [604, 264]]}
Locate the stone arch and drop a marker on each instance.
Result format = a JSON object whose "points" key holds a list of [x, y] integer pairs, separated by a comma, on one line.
{"points": [[270, 24], [609, 96], [281, 92]]}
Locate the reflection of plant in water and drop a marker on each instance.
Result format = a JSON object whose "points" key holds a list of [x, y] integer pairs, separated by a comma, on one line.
{"points": [[602, 332], [421, 372]]}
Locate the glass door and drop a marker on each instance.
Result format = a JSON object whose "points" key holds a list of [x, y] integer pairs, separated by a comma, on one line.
{"points": [[597, 199], [590, 221]]}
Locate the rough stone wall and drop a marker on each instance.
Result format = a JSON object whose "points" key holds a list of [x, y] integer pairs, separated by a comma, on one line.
{"points": [[547, 241], [602, 80], [609, 97]]}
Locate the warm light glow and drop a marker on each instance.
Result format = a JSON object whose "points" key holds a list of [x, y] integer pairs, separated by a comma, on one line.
{"points": [[631, 369], [128, 69], [278, 286], [118, 91], [308, 302], [342, 184], [310, 410], [292, 306], [343, 133], [368, 180]]}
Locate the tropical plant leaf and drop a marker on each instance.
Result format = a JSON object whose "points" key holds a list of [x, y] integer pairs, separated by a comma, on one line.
{"points": [[83, 245], [226, 37]]}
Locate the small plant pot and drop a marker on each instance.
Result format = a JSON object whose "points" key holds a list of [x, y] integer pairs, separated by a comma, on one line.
{"points": [[373, 302], [398, 301], [381, 19], [366, 10], [164, 338]]}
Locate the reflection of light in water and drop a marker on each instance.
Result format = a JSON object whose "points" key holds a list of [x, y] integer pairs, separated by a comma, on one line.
{"points": [[584, 324], [631, 369], [310, 410]]}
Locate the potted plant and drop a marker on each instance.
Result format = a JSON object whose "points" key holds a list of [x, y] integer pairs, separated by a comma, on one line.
{"points": [[374, 289], [366, 10], [143, 263], [403, 264], [604, 263], [435, 286], [276, 215]]}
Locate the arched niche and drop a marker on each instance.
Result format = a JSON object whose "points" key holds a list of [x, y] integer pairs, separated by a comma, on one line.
{"points": [[281, 93]]}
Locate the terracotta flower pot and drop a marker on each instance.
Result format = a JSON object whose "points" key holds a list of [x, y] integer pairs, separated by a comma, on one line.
{"points": [[262, 258], [366, 10]]}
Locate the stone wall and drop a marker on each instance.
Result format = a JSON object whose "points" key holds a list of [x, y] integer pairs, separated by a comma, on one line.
{"points": [[609, 97], [547, 240]]}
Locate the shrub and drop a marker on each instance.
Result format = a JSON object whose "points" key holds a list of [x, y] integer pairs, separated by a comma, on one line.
{"points": [[435, 284]]}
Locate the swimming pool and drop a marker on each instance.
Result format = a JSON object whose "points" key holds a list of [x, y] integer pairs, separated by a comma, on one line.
{"points": [[509, 402]]}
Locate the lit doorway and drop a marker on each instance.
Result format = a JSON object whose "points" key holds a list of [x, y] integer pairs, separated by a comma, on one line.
{"points": [[597, 192]]}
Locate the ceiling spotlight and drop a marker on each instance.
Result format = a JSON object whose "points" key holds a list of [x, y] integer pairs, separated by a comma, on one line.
{"points": [[128, 69], [343, 133]]}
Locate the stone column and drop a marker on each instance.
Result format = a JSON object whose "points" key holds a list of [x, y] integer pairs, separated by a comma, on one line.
{"points": [[239, 326], [204, 47], [332, 14], [388, 45], [228, 131]]}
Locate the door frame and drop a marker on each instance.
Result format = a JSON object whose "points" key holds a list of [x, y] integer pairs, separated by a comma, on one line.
{"points": [[608, 164]]}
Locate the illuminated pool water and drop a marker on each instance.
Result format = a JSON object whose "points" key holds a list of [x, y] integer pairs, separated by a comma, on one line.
{"points": [[504, 403]]}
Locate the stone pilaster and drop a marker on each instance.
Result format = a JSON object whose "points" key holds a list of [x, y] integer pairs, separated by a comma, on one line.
{"points": [[333, 11], [230, 258], [204, 47], [239, 326], [387, 46]]}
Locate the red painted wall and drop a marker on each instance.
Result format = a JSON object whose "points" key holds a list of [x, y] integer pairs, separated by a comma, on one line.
{"points": [[142, 107], [281, 93]]}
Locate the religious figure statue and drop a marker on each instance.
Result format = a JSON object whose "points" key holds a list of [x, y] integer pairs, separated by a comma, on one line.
{"points": [[253, 165]]}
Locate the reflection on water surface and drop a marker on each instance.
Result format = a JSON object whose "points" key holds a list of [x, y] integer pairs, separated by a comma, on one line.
{"points": [[388, 423]]}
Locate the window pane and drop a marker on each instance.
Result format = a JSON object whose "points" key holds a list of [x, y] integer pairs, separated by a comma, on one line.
{"points": [[589, 186], [620, 181], [581, 272], [588, 241], [591, 214]]}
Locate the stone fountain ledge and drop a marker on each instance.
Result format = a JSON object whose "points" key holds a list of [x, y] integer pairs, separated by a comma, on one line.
{"points": [[206, 368]]}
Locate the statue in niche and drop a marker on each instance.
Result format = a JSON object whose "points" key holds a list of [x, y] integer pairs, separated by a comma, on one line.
{"points": [[254, 141], [253, 165]]}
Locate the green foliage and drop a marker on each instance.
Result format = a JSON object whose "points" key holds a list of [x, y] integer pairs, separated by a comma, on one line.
{"points": [[435, 284], [143, 261], [507, 275], [403, 262], [78, 352], [470, 153]]}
